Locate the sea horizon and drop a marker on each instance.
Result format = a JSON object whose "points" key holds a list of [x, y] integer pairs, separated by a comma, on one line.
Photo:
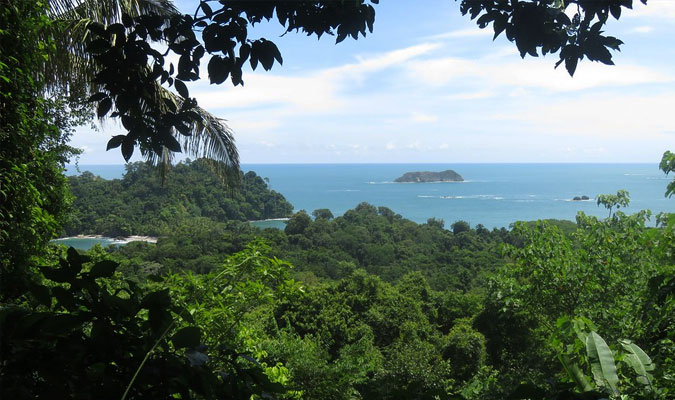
{"points": [[492, 194]]}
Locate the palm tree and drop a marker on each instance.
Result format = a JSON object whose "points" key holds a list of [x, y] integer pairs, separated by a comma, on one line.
{"points": [[72, 69]]}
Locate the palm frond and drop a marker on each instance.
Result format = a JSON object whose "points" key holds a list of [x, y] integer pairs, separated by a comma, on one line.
{"points": [[109, 11], [72, 64], [209, 138], [72, 70]]}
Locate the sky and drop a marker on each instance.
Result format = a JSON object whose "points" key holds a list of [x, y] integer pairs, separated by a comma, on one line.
{"points": [[429, 86]]}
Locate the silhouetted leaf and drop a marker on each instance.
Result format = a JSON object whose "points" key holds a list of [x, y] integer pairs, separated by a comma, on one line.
{"points": [[172, 144], [158, 299], [127, 147], [196, 358], [59, 324], [527, 391], [103, 269], [97, 97], [115, 142], [218, 70], [206, 8], [181, 88], [59, 275], [103, 107], [187, 337], [98, 46]]}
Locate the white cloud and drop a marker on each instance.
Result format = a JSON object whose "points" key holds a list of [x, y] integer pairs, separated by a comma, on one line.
{"points": [[267, 144], [642, 29], [423, 118], [245, 125], [600, 116], [416, 145], [317, 92], [664, 9], [312, 93], [533, 73], [386, 60], [462, 33], [481, 94]]}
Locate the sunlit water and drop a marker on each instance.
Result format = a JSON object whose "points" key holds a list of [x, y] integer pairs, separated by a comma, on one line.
{"points": [[87, 243]]}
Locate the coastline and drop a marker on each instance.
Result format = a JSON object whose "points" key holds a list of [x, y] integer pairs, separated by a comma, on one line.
{"points": [[119, 240], [270, 219]]}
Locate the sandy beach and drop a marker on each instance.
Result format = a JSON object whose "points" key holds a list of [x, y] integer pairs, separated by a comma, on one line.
{"points": [[118, 240], [149, 239], [270, 219]]}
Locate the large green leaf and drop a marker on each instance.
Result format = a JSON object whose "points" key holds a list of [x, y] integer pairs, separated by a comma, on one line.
{"points": [[639, 360], [602, 362], [574, 372]]}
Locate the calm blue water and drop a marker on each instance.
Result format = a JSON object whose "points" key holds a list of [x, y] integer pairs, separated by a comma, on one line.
{"points": [[494, 195], [86, 243], [270, 223]]}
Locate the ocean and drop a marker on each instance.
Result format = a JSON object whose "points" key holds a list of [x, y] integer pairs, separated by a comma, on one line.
{"points": [[85, 243], [494, 195]]}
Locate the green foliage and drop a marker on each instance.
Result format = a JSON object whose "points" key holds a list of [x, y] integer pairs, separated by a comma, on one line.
{"points": [[611, 271], [667, 165], [597, 369], [322, 213], [439, 223], [87, 332], [602, 362], [565, 226], [33, 150], [360, 337], [376, 240], [372, 325], [618, 200], [298, 223], [546, 27], [459, 227], [141, 203], [465, 347], [639, 360], [600, 271]]}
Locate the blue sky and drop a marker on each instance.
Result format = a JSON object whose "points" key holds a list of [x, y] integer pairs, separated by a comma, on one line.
{"points": [[429, 86]]}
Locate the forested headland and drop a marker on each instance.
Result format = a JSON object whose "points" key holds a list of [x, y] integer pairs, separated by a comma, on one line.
{"points": [[144, 202]]}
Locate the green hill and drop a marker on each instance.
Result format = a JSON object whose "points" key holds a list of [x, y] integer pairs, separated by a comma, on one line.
{"points": [[141, 204]]}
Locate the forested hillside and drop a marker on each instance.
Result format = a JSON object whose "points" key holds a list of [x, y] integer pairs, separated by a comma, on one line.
{"points": [[371, 238], [383, 307], [142, 203]]}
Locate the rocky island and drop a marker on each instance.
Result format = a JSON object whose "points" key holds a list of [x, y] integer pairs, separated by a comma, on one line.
{"points": [[428, 176]]}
